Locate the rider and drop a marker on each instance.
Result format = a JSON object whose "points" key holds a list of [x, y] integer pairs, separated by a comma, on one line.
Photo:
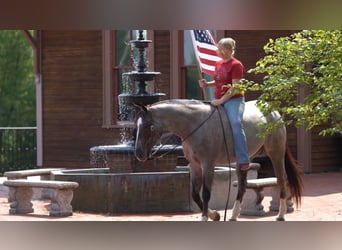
{"points": [[230, 71]]}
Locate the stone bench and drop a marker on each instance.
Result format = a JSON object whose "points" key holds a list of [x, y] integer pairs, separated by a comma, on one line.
{"points": [[252, 202], [20, 195], [44, 173]]}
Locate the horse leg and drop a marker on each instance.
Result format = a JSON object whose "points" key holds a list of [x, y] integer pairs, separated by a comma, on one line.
{"points": [[281, 180], [277, 158], [196, 184], [208, 175], [197, 181], [242, 182]]}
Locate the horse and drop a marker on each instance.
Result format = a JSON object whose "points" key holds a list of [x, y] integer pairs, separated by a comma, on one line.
{"points": [[197, 123]]}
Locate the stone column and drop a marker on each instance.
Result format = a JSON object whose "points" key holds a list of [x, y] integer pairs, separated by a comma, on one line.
{"points": [[20, 200], [61, 202]]}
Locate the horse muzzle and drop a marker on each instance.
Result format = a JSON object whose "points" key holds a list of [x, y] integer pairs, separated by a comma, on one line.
{"points": [[141, 155]]}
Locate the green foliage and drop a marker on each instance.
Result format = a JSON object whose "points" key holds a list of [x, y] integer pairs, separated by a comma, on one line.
{"points": [[17, 102], [17, 86], [309, 60]]}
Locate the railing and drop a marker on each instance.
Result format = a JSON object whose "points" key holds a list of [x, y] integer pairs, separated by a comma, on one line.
{"points": [[18, 150]]}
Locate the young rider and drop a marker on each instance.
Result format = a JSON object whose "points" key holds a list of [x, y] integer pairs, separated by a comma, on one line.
{"points": [[228, 72]]}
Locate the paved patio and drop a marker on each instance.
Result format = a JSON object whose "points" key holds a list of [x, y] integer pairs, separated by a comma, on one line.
{"points": [[322, 201]]}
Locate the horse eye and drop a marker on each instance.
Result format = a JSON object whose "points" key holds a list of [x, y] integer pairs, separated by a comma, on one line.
{"points": [[152, 128]]}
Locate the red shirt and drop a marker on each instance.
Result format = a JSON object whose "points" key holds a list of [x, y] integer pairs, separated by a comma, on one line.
{"points": [[225, 72]]}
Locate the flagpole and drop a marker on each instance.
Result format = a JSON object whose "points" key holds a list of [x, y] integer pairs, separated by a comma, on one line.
{"points": [[201, 76], [200, 73], [205, 50]]}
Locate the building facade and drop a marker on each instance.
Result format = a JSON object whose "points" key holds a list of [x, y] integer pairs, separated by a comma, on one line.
{"points": [[78, 78]]}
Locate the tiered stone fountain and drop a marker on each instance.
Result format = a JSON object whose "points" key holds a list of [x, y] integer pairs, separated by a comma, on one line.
{"points": [[139, 76], [119, 183], [120, 158]]}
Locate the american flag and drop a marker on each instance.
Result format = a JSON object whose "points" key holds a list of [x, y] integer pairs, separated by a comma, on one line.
{"points": [[205, 49]]}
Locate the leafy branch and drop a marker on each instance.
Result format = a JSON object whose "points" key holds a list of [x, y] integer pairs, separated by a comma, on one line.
{"points": [[310, 61]]}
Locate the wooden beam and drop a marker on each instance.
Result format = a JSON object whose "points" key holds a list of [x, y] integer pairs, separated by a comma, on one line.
{"points": [[107, 80], [29, 38], [175, 80]]}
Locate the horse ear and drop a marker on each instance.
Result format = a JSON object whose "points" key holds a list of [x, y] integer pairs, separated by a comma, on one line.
{"points": [[140, 108]]}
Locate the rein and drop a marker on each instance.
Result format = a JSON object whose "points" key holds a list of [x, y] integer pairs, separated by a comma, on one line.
{"points": [[190, 134], [230, 172]]}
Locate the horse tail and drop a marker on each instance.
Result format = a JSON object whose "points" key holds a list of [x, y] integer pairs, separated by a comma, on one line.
{"points": [[294, 176]]}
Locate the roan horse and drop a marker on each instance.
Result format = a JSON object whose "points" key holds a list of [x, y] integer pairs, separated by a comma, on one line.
{"points": [[198, 125]]}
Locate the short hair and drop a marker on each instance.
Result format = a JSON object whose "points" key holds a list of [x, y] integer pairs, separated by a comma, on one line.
{"points": [[226, 44]]}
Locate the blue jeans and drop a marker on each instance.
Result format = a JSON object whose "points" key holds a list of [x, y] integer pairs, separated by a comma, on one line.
{"points": [[234, 109]]}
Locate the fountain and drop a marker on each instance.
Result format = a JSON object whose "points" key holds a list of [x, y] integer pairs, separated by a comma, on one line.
{"points": [[140, 76], [119, 183], [120, 158]]}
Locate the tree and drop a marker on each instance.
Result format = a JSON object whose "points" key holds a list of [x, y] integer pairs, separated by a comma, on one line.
{"points": [[17, 86], [17, 102], [310, 59]]}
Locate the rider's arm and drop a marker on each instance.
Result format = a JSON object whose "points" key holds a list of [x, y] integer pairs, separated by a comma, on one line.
{"points": [[227, 95]]}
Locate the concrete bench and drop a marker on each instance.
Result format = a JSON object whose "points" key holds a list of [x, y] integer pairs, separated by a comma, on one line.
{"points": [[252, 202], [20, 196], [44, 173]]}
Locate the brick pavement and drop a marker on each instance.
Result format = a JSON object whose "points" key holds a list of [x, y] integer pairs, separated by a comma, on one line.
{"points": [[322, 201]]}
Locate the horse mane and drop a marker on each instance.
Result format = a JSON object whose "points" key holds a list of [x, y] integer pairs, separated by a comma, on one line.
{"points": [[187, 104], [180, 102]]}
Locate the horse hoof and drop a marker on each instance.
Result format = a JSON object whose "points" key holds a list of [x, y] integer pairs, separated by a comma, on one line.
{"points": [[280, 219], [217, 217], [232, 219], [214, 215], [204, 218]]}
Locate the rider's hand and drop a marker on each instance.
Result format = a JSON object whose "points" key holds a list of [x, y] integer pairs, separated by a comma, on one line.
{"points": [[215, 102], [202, 83]]}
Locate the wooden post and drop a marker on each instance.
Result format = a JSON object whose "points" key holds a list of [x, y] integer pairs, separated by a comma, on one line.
{"points": [[304, 154]]}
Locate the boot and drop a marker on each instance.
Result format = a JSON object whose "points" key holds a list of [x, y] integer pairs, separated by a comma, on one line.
{"points": [[244, 167]]}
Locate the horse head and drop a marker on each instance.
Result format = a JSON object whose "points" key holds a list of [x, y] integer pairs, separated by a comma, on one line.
{"points": [[148, 133]]}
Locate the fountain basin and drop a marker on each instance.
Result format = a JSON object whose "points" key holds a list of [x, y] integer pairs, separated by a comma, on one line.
{"points": [[105, 192], [127, 99], [141, 76], [152, 192], [120, 158], [140, 44]]}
